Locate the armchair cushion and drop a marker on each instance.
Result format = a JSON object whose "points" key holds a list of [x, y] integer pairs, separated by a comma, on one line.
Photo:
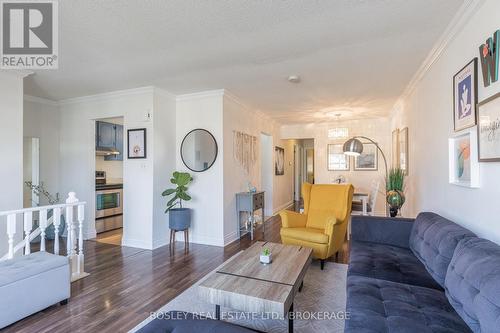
{"points": [[291, 219], [305, 234]]}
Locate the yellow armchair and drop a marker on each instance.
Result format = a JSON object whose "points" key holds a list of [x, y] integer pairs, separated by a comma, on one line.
{"points": [[323, 226]]}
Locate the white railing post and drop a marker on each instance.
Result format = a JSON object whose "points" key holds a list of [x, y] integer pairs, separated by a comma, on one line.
{"points": [[28, 225], [70, 223], [43, 226], [81, 216], [56, 216], [75, 232], [11, 231]]}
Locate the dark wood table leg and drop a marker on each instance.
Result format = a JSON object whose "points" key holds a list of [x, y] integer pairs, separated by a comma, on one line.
{"points": [[217, 312], [290, 319]]}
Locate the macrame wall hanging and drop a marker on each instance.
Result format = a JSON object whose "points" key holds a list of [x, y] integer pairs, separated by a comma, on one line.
{"points": [[245, 150]]}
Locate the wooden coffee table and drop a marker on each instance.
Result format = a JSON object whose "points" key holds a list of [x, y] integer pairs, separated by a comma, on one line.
{"points": [[246, 285]]}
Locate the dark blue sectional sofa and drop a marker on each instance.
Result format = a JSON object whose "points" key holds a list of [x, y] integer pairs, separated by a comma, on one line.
{"points": [[423, 275]]}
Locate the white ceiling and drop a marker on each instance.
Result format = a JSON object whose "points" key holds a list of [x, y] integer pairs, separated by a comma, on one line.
{"points": [[354, 56]]}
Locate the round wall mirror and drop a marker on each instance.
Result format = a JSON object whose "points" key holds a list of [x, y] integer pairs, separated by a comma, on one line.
{"points": [[199, 150]]}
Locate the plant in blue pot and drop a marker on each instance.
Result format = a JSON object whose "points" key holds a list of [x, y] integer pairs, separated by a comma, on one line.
{"points": [[179, 217]]}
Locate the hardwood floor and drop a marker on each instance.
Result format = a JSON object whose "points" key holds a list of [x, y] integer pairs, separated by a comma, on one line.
{"points": [[126, 284]]}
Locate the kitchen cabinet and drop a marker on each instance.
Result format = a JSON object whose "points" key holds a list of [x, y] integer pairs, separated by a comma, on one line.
{"points": [[105, 135], [110, 136], [118, 129]]}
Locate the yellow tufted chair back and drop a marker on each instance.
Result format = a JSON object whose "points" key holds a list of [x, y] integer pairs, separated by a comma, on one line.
{"points": [[322, 201]]}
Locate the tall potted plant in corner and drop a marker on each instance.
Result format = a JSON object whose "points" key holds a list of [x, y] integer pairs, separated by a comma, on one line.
{"points": [[395, 187], [179, 217]]}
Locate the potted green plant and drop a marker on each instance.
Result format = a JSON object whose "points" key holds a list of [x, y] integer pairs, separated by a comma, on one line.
{"points": [[265, 256], [179, 217], [395, 190]]}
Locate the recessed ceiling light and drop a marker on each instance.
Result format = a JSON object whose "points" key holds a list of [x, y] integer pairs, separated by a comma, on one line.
{"points": [[294, 78]]}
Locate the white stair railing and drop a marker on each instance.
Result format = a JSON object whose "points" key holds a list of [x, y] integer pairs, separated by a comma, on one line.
{"points": [[74, 238]]}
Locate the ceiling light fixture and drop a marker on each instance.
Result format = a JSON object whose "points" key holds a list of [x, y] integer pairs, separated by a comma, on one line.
{"points": [[294, 79]]}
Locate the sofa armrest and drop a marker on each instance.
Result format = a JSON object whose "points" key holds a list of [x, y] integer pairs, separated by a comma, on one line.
{"points": [[291, 219], [382, 230]]}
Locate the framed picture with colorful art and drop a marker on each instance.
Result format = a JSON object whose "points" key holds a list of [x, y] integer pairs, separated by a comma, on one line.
{"points": [[488, 119], [463, 159], [465, 96], [136, 143]]}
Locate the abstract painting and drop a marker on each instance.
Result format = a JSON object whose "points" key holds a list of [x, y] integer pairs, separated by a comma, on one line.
{"points": [[464, 166], [465, 96]]}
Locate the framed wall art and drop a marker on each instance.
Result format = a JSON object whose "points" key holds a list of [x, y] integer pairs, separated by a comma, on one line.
{"points": [[463, 161], [279, 161], [403, 150], [465, 96], [395, 148], [337, 160], [489, 129], [368, 160], [136, 143]]}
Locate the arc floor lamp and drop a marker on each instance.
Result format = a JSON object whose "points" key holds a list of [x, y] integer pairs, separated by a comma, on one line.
{"points": [[354, 147]]}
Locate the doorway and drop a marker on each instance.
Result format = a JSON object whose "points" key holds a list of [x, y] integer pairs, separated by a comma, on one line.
{"points": [[109, 180], [303, 165], [267, 171]]}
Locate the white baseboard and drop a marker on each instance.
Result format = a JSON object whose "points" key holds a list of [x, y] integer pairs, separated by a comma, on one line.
{"points": [[197, 239], [137, 243], [280, 208], [228, 239]]}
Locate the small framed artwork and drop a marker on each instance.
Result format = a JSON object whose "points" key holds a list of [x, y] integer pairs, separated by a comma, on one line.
{"points": [[279, 161], [463, 161], [465, 96], [489, 129], [368, 160], [337, 160], [136, 143], [403, 150], [395, 148]]}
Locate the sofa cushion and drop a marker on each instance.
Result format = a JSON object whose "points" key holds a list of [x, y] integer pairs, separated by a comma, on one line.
{"points": [[305, 234], [183, 322], [388, 262], [23, 267], [433, 240], [383, 306], [473, 284]]}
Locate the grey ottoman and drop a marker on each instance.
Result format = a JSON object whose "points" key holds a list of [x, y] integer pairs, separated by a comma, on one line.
{"points": [[32, 283]]}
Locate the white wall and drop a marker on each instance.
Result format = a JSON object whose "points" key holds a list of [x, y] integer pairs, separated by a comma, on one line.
{"points": [[377, 129], [164, 146], [77, 159], [42, 120], [11, 149], [428, 114], [238, 117], [203, 110]]}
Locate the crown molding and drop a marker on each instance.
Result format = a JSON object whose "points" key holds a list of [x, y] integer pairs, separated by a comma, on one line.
{"points": [[108, 95], [238, 101], [202, 94], [40, 100], [465, 12]]}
